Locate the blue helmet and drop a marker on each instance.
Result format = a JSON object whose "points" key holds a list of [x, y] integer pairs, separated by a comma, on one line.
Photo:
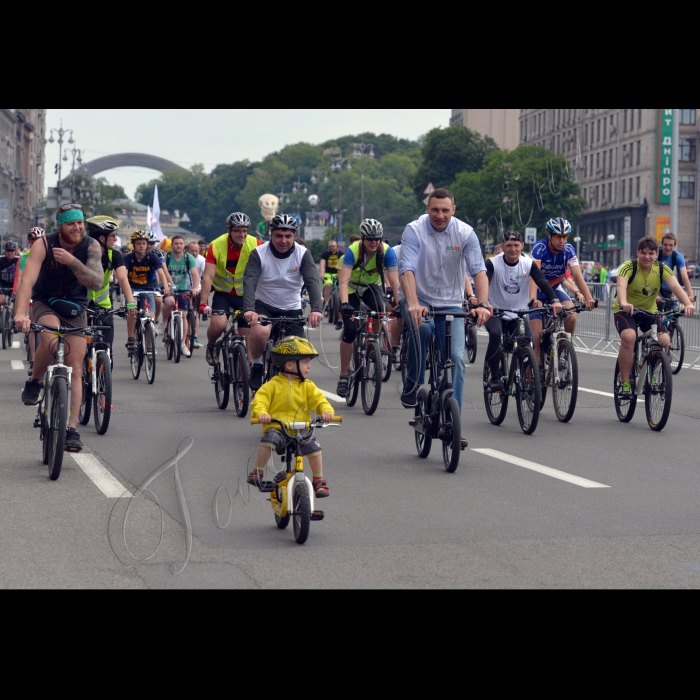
{"points": [[558, 227]]}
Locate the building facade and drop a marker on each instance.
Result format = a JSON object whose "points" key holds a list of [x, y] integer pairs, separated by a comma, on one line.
{"points": [[22, 133], [500, 124], [621, 159]]}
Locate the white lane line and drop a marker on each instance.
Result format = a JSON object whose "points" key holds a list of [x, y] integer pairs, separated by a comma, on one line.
{"points": [[333, 397], [104, 481], [17, 364], [605, 393], [15, 344], [548, 471]]}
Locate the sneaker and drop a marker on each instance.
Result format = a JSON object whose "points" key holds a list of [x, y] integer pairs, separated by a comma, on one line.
{"points": [[184, 350], [625, 391], [211, 359], [495, 386], [320, 488], [32, 389], [73, 443], [408, 397], [197, 344], [257, 373], [339, 325], [342, 388], [255, 478], [463, 444], [131, 344]]}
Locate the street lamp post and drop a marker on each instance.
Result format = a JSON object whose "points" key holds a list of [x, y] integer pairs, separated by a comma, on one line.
{"points": [[61, 133], [77, 155], [337, 166], [362, 150], [299, 189]]}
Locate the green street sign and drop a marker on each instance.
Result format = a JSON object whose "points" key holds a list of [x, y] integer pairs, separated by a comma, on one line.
{"points": [[664, 155], [610, 245]]}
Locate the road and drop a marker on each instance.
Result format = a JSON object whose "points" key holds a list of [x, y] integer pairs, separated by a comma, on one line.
{"points": [[590, 504]]}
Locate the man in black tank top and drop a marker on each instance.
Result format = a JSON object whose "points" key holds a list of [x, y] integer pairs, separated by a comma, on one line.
{"points": [[58, 274]]}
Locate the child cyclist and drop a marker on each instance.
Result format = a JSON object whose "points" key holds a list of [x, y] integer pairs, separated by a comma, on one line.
{"points": [[289, 397]]}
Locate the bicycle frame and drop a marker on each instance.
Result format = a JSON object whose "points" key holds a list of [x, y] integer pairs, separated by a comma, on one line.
{"points": [[644, 348]]}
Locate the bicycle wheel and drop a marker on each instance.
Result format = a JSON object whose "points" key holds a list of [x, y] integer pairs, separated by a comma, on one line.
{"points": [[6, 328], [545, 361], [136, 355], [403, 361], [496, 402], [354, 378], [103, 397], [270, 369], [86, 383], [565, 384], [150, 351], [58, 422], [302, 512], [372, 378], [191, 330], [177, 338], [385, 347], [452, 435], [625, 407], [676, 348], [471, 343], [527, 390], [239, 379], [43, 431], [222, 379], [659, 393], [421, 413], [169, 347]]}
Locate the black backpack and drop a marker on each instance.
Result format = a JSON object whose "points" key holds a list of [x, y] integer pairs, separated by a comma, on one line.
{"points": [[634, 269]]}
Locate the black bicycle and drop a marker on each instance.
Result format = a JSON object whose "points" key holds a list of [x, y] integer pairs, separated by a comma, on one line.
{"points": [[6, 319], [280, 326], [437, 414], [470, 337], [672, 326], [650, 375], [365, 368], [519, 376], [231, 368], [144, 340]]}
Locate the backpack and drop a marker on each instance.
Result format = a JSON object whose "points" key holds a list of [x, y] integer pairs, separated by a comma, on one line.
{"points": [[674, 259], [186, 256], [634, 269]]}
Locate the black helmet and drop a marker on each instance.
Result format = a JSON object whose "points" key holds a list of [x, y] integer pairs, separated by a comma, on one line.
{"points": [[11, 245], [101, 226], [237, 219], [282, 222]]}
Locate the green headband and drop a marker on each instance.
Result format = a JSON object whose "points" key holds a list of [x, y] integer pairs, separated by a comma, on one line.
{"points": [[71, 215]]}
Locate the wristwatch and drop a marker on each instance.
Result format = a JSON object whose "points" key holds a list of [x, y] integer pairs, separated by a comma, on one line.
{"points": [[484, 304]]}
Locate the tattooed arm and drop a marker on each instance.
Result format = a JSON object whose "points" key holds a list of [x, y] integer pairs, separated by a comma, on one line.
{"points": [[90, 275]]}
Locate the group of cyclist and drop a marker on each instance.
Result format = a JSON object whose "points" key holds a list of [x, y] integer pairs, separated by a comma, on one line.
{"points": [[438, 263]]}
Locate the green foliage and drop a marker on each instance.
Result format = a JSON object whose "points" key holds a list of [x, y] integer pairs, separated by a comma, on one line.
{"points": [[448, 152], [516, 189]]}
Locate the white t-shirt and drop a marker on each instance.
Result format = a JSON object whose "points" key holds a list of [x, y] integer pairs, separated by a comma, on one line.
{"points": [[201, 262], [510, 284]]}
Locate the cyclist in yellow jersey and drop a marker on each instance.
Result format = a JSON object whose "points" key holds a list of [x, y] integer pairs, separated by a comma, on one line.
{"points": [[638, 283]]}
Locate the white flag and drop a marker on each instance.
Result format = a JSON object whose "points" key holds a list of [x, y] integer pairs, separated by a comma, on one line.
{"points": [[155, 226], [149, 216]]}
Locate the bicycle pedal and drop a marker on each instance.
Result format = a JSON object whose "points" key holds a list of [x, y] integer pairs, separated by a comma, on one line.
{"points": [[317, 515], [413, 422], [266, 486], [37, 422]]}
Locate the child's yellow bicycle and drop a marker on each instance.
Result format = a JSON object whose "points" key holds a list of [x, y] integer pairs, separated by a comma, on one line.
{"points": [[291, 493]]}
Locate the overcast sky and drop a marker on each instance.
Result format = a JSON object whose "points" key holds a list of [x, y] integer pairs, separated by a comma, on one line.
{"points": [[214, 136]]}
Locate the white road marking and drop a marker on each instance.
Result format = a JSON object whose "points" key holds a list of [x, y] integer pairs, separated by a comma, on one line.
{"points": [[333, 397], [15, 343], [605, 393], [104, 481], [548, 471], [17, 364]]}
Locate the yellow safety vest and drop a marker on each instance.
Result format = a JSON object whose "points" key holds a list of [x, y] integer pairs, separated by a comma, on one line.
{"points": [[362, 276], [223, 280], [101, 296]]}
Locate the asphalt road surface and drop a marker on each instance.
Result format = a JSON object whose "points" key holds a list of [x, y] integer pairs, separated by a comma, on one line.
{"points": [[589, 504]]}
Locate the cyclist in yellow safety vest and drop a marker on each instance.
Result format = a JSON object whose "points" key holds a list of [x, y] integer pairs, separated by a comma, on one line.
{"points": [[223, 274], [104, 230]]}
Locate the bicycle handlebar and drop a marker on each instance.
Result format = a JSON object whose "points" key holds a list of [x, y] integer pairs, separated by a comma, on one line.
{"points": [[265, 321], [498, 313], [65, 330], [319, 421]]}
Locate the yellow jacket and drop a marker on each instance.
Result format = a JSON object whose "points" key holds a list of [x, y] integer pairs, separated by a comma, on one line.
{"points": [[289, 400]]}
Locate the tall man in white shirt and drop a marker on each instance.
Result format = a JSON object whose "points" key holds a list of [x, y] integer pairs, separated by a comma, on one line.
{"points": [[193, 250], [437, 250]]}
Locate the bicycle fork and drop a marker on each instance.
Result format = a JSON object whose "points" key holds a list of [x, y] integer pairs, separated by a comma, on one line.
{"points": [[282, 505]]}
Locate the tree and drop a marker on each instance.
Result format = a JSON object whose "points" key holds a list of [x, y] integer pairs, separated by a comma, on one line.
{"points": [[517, 189], [448, 152]]}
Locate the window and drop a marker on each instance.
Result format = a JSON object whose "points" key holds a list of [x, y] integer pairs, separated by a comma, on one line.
{"points": [[585, 193], [638, 179], [625, 121], [687, 117], [639, 152], [597, 163], [623, 191], [598, 138], [609, 191], [596, 195], [639, 118], [687, 149], [610, 160], [631, 190], [605, 153], [686, 187]]}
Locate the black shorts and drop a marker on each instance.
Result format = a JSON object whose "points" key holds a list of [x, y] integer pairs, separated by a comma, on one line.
{"points": [[288, 329], [224, 302], [623, 321], [373, 298]]}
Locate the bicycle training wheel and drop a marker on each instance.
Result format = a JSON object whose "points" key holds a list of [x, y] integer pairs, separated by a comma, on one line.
{"points": [[385, 347], [421, 413], [239, 379], [177, 339], [676, 348], [625, 407], [86, 383], [222, 379], [496, 402], [354, 378], [302, 512], [372, 378], [565, 384], [136, 355], [452, 435], [658, 393], [471, 343], [527, 390], [58, 422], [150, 358], [103, 397]]}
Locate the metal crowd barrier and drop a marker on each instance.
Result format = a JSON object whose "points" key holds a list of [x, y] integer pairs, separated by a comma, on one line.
{"points": [[595, 330]]}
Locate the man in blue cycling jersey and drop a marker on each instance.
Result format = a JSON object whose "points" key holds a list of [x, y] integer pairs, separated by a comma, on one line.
{"points": [[555, 256], [668, 255]]}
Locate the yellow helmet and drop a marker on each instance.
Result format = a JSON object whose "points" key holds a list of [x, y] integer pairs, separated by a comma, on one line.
{"points": [[138, 236], [293, 348]]}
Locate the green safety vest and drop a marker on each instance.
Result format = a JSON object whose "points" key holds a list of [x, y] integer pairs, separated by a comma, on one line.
{"points": [[363, 276], [223, 280], [101, 296]]}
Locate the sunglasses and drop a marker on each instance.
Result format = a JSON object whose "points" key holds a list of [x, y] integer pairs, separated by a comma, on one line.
{"points": [[512, 237], [68, 207], [560, 235]]}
